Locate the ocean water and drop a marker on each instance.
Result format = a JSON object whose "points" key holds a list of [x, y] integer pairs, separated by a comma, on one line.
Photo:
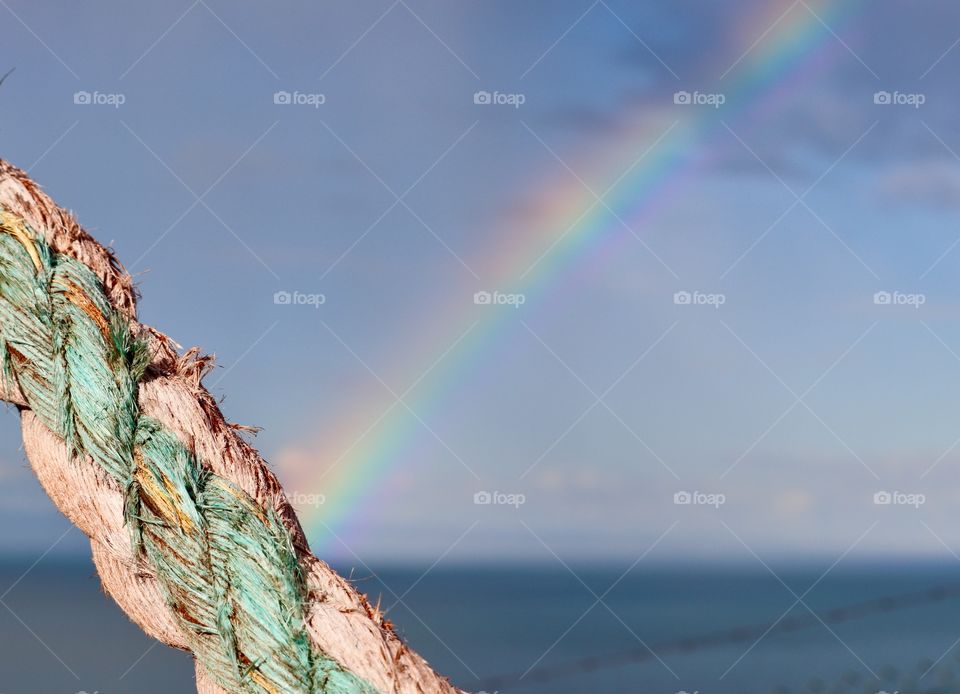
{"points": [[487, 626]]}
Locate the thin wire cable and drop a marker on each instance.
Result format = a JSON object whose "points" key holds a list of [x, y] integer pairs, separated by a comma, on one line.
{"points": [[742, 634]]}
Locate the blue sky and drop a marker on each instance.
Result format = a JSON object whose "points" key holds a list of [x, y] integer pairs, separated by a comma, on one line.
{"points": [[797, 399]]}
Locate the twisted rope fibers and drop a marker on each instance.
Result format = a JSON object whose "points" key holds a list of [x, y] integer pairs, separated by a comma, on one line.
{"points": [[227, 567]]}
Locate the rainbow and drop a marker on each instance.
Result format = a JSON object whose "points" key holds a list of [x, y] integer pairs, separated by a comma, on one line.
{"points": [[573, 228]]}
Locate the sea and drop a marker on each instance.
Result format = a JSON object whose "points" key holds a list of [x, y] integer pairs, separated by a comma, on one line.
{"points": [[533, 630]]}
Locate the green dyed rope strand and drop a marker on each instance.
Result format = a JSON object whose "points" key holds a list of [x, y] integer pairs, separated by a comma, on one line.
{"points": [[226, 566]]}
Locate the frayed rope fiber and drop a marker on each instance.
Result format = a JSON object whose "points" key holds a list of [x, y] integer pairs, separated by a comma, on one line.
{"points": [[226, 566]]}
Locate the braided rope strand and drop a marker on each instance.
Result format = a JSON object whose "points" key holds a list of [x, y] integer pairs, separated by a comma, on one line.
{"points": [[227, 567]]}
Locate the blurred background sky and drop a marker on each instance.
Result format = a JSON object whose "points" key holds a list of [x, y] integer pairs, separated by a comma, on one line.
{"points": [[742, 152]]}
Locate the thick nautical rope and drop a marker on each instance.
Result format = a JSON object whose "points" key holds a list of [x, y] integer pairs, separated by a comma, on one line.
{"points": [[226, 566]]}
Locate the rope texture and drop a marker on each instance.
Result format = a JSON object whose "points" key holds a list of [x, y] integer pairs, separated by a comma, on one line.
{"points": [[226, 566]]}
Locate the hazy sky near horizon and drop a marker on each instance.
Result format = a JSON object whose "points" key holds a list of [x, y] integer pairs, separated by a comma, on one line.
{"points": [[398, 197]]}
